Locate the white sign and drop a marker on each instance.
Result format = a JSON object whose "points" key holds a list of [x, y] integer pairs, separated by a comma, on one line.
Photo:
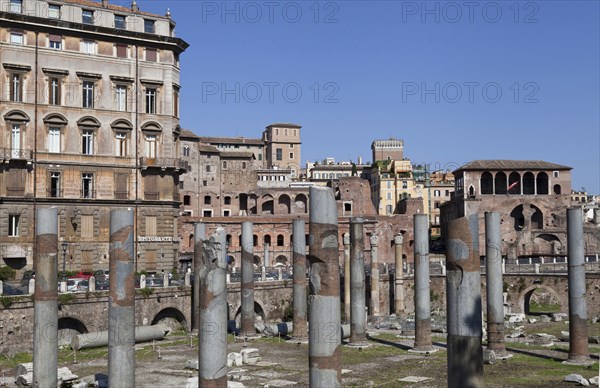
{"points": [[155, 239]]}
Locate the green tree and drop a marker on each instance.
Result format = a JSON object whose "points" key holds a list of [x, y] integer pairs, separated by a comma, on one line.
{"points": [[354, 169], [7, 273]]}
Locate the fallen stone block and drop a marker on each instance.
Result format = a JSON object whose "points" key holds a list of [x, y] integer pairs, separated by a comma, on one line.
{"points": [[532, 320], [234, 359], [489, 357], [516, 318], [559, 317], [250, 356], [575, 378], [23, 368], [235, 384], [544, 318], [192, 382], [414, 379], [192, 364], [80, 384], [65, 376], [595, 381], [279, 383], [25, 380], [395, 326]]}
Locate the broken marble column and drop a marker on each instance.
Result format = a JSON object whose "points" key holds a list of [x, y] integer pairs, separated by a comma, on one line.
{"points": [[346, 242], [493, 275], [299, 263], [463, 301], [121, 300], [398, 275], [578, 331], [212, 352], [247, 318], [358, 334], [374, 277], [422, 294], [45, 297], [199, 237], [324, 349]]}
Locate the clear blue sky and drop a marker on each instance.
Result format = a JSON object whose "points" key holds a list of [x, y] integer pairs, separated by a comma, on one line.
{"points": [[426, 72]]}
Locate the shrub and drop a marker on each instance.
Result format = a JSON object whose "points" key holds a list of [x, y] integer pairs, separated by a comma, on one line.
{"points": [[7, 273]]}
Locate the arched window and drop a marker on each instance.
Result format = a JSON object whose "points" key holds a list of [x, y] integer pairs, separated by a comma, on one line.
{"points": [[528, 183], [267, 239], [514, 183], [542, 183], [280, 240], [557, 189], [500, 183], [487, 183]]}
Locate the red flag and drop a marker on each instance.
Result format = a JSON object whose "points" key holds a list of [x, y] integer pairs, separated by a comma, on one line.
{"points": [[513, 184]]}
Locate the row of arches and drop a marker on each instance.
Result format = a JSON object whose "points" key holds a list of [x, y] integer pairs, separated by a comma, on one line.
{"points": [[527, 183]]}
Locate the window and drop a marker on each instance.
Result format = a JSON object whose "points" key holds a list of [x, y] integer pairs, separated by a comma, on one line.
{"points": [[87, 185], [176, 102], [121, 98], [13, 225], [279, 154], [291, 145], [291, 155], [207, 199], [87, 142], [404, 185], [555, 174], [151, 100], [87, 16], [54, 140], [436, 193], [150, 150], [388, 209], [151, 55], [243, 165], [436, 205], [120, 22], [389, 184], [186, 150], [447, 193], [16, 6], [151, 226], [187, 200], [88, 94], [204, 183], [207, 168], [54, 91], [55, 41], [149, 26], [88, 47], [259, 156], [227, 200], [122, 186], [389, 196], [121, 143], [55, 185], [224, 165], [15, 142], [53, 11], [16, 87], [16, 37], [121, 51]]}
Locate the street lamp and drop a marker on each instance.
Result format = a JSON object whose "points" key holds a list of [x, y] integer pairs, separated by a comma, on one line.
{"points": [[64, 247]]}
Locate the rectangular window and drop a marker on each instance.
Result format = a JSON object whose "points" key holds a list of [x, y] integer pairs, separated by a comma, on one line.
{"points": [[150, 150], [150, 226], [87, 142], [122, 186], [150, 260], [87, 226], [121, 51], [87, 185], [88, 47], [54, 140], [291, 155], [151, 55], [15, 141], [555, 174], [55, 191], [88, 94], [87, 260], [436, 193], [389, 195], [16, 6], [15, 87], [278, 154], [404, 185], [13, 225], [55, 41], [87, 16], [149, 26], [151, 101], [120, 22], [16, 37], [53, 11], [389, 184], [54, 91], [121, 143], [121, 98], [204, 183], [388, 209], [259, 156], [176, 102]]}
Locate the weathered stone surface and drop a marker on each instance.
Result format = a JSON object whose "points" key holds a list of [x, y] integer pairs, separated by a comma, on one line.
{"points": [[23, 368], [250, 356], [192, 364], [489, 357], [279, 383], [559, 317], [595, 381], [544, 318], [575, 378], [234, 384], [192, 382], [516, 318], [234, 359], [414, 379]]}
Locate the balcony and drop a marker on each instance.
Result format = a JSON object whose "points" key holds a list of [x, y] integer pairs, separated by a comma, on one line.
{"points": [[16, 154], [181, 166]]}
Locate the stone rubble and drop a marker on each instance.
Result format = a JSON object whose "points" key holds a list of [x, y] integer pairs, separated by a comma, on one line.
{"points": [[234, 359], [250, 356], [575, 378]]}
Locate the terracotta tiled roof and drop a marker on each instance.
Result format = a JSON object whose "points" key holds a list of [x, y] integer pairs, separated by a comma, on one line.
{"points": [[207, 148], [240, 155], [512, 165], [188, 134], [114, 7], [231, 140]]}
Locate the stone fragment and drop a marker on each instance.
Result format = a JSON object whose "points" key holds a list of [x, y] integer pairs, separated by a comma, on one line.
{"points": [[250, 356], [544, 318], [414, 379], [23, 368], [595, 381], [279, 383], [395, 326], [532, 320], [575, 378], [192, 364], [192, 382], [559, 317], [489, 357], [234, 384], [516, 318], [234, 359]]}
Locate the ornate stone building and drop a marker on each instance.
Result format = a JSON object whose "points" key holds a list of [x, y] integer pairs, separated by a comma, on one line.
{"points": [[90, 122]]}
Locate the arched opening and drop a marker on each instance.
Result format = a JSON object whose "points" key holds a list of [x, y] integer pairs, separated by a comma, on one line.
{"points": [[283, 204], [191, 240], [259, 314], [300, 202], [542, 183], [537, 218], [280, 240], [172, 318], [528, 183], [243, 204], [545, 244], [487, 183], [514, 183], [228, 240], [538, 300], [267, 205], [500, 183], [255, 240], [267, 239], [256, 260], [281, 260], [557, 189], [68, 328], [471, 191]]}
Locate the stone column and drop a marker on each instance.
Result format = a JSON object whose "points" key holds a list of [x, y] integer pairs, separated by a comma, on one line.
{"points": [[45, 297], [299, 262], [324, 349], [374, 277], [422, 302], [398, 276], [578, 331], [199, 237], [358, 335], [266, 260], [463, 300], [121, 300], [493, 275], [247, 280], [212, 352], [346, 242]]}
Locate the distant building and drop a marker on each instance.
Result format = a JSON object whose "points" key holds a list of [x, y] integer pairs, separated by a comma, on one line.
{"points": [[283, 147]]}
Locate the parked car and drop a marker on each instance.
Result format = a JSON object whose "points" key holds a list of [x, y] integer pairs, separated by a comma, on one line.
{"points": [[77, 284], [102, 274], [83, 275], [102, 285], [10, 290], [28, 275]]}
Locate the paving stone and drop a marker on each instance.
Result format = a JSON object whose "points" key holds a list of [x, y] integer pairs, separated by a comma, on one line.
{"points": [[414, 379]]}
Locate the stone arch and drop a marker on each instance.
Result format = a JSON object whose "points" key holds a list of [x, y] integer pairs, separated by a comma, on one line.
{"points": [[55, 119], [171, 317], [16, 115], [514, 183], [151, 126], [471, 191], [500, 183], [88, 121], [557, 189], [301, 203], [528, 183], [281, 260], [267, 239], [487, 183], [69, 327], [280, 240], [525, 297], [267, 204], [121, 124], [258, 312], [283, 204], [546, 244], [542, 183], [191, 240]]}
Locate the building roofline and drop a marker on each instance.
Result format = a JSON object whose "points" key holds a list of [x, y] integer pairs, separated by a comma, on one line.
{"points": [[285, 125]]}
